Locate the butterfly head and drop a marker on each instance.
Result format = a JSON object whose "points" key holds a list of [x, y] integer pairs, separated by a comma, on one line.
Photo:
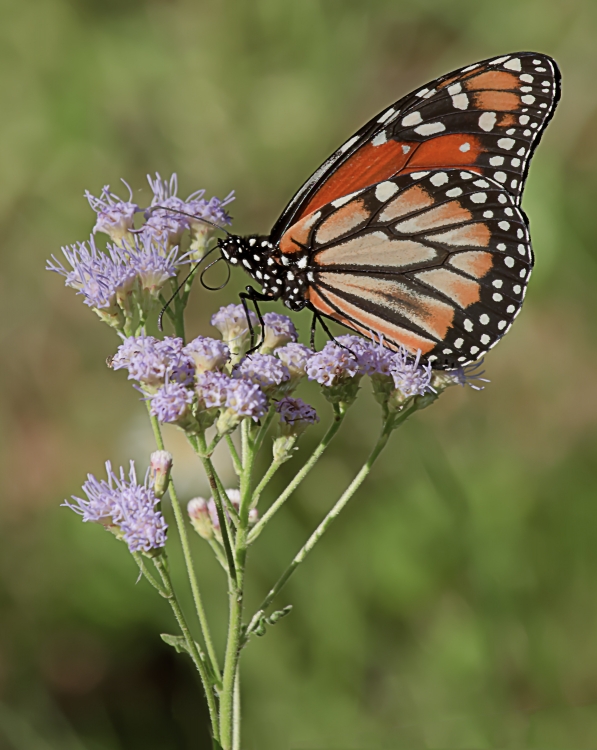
{"points": [[259, 258]]}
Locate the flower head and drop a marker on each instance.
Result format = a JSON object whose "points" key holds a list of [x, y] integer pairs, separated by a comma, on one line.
{"points": [[295, 357], [115, 217], [231, 321], [278, 331], [470, 375], [243, 399], [332, 364], [125, 507], [264, 370], [295, 413], [149, 360], [172, 403], [207, 353], [367, 353], [213, 388], [410, 377], [213, 211], [159, 471]]}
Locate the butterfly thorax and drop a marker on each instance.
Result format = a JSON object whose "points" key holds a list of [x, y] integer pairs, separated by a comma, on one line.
{"points": [[279, 276]]}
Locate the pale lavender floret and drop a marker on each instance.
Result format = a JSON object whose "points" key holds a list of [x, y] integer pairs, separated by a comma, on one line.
{"points": [[171, 402], [332, 364], [124, 504], [294, 411], [207, 353], [115, 216], [411, 378], [212, 210], [213, 388], [367, 353], [295, 357], [264, 370], [246, 399], [97, 276], [469, 375], [149, 360], [231, 322], [278, 331], [153, 262]]}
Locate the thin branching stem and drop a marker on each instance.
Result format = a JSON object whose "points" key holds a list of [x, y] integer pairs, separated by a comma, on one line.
{"points": [[184, 540]]}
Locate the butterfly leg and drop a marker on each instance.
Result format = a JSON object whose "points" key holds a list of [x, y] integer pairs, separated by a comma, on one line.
{"points": [[254, 296], [318, 318]]}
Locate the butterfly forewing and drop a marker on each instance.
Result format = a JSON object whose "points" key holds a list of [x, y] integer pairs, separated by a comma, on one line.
{"points": [[486, 117], [435, 260]]}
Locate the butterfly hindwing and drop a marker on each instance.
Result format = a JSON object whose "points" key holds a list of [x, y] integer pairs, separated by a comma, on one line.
{"points": [[436, 260], [486, 117]]}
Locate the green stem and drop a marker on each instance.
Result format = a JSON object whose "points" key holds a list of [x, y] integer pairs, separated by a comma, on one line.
{"points": [[389, 425], [230, 674], [184, 540], [264, 428], [191, 645], [238, 468], [200, 445], [274, 466], [236, 709], [142, 567], [300, 475]]}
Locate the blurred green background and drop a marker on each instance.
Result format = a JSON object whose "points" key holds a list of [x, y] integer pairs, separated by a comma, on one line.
{"points": [[454, 604]]}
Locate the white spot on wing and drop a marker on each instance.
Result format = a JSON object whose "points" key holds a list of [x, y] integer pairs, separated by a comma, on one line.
{"points": [[500, 176], [385, 190], [496, 161], [348, 144], [379, 139], [405, 149], [479, 197], [455, 88], [526, 78], [344, 199], [487, 121], [418, 175], [506, 143], [460, 101], [454, 192], [439, 179], [429, 128], [386, 114], [465, 147], [513, 64], [499, 60], [528, 98], [414, 118]]}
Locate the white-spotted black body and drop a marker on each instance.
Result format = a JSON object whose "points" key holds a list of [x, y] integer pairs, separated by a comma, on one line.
{"points": [[279, 276]]}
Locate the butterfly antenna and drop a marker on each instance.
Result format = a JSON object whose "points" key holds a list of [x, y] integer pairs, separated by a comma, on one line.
{"points": [[181, 285], [206, 269], [191, 216]]}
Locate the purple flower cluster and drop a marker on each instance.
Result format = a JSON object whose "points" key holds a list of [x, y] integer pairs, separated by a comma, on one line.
{"points": [[115, 217], [333, 364], [410, 378], [122, 283], [264, 370], [169, 225], [125, 507], [278, 330], [151, 362]]}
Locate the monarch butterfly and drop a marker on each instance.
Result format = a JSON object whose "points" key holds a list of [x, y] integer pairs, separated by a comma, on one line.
{"points": [[412, 230]]}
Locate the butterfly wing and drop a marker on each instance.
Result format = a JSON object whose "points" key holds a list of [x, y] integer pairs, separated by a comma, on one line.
{"points": [[487, 117], [434, 260]]}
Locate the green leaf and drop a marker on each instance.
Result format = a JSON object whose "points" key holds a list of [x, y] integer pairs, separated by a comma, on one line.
{"points": [[176, 641]]}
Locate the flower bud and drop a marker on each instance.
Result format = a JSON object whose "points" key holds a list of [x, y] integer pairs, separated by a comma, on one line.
{"points": [[159, 471], [200, 516]]}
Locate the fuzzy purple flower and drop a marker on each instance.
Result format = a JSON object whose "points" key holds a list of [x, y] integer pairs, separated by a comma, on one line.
{"points": [[207, 353], [366, 352], [213, 388], [246, 399], [153, 262], [470, 375], [127, 508], [149, 360], [410, 377], [171, 403], [204, 514], [295, 413], [278, 331], [211, 210], [332, 364], [98, 276], [264, 370], [115, 217], [231, 321], [295, 357]]}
